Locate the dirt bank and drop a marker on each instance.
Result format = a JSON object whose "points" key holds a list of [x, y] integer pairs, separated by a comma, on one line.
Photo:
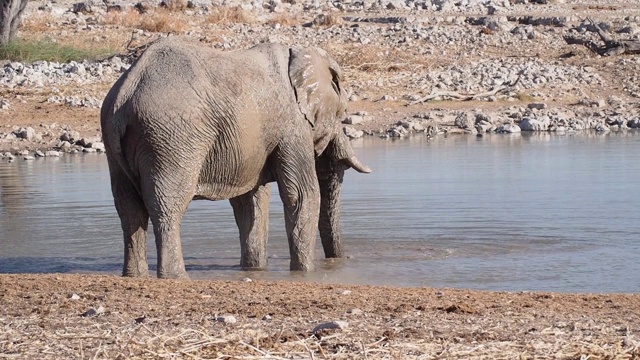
{"points": [[50, 317]]}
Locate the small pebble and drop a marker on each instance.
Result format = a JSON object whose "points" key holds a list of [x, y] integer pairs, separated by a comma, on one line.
{"points": [[355, 311], [93, 312], [337, 324], [227, 319]]}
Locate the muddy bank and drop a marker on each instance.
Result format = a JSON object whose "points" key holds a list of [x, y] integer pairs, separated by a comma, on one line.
{"points": [[90, 316]]}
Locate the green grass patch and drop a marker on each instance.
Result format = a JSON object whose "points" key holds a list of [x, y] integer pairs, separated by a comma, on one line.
{"points": [[47, 50]]}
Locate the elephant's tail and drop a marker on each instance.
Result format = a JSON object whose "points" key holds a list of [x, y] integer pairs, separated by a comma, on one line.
{"points": [[113, 142]]}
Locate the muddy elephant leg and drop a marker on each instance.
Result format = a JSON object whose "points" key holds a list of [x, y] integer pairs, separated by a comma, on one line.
{"points": [[251, 211], [330, 178], [166, 212], [299, 191], [169, 247], [134, 220]]}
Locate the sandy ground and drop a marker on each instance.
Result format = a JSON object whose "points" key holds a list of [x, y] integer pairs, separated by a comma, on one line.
{"points": [[50, 317]]}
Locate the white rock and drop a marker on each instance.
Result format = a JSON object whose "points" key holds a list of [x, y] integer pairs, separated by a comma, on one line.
{"points": [[353, 120], [27, 133], [528, 124], [509, 128], [97, 145], [227, 319], [93, 312], [353, 133]]}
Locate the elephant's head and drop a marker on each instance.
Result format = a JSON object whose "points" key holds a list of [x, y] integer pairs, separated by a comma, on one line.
{"points": [[315, 78]]}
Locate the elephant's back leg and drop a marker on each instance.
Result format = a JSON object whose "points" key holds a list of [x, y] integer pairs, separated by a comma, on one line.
{"points": [[167, 190], [251, 211], [134, 220]]}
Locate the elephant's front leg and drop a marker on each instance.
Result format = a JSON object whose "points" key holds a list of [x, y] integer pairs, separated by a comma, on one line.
{"points": [[299, 191], [251, 211]]}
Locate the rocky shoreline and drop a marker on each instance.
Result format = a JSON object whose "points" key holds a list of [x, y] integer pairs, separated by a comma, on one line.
{"points": [[411, 66]]}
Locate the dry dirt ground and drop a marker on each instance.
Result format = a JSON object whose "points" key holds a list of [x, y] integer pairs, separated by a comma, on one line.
{"points": [[40, 318], [50, 317]]}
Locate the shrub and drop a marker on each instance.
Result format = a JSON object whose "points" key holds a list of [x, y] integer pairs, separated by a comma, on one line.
{"points": [[227, 15], [34, 50], [37, 22], [284, 20], [157, 20], [162, 21], [129, 18], [174, 5]]}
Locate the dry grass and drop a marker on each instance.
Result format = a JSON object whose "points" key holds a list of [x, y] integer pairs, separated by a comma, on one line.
{"points": [[524, 97], [174, 5], [327, 20], [165, 21], [229, 15], [284, 20], [39, 22], [151, 319], [369, 58], [129, 18], [157, 20]]}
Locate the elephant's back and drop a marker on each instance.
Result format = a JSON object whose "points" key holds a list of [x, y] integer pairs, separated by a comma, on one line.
{"points": [[197, 108]]}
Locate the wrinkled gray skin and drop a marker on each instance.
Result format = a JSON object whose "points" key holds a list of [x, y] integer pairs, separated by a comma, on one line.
{"points": [[188, 122]]}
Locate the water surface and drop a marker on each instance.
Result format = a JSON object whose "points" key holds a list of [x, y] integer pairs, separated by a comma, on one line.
{"points": [[499, 212]]}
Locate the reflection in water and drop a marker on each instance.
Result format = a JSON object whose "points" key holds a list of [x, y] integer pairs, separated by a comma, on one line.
{"points": [[508, 212]]}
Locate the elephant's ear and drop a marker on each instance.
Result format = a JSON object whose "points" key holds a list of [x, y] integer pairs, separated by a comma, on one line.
{"points": [[315, 78]]}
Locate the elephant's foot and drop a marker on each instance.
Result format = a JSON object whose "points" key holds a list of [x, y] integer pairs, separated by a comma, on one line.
{"points": [[258, 262], [134, 268], [301, 266], [331, 251], [173, 275], [138, 273]]}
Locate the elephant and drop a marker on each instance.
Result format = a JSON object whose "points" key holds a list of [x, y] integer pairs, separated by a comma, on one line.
{"points": [[187, 122]]}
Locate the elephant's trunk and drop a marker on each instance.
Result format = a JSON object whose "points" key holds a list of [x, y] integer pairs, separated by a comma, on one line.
{"points": [[330, 175], [330, 167]]}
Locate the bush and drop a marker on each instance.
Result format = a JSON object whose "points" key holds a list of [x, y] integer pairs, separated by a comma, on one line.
{"points": [[156, 20], [34, 50], [228, 15]]}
